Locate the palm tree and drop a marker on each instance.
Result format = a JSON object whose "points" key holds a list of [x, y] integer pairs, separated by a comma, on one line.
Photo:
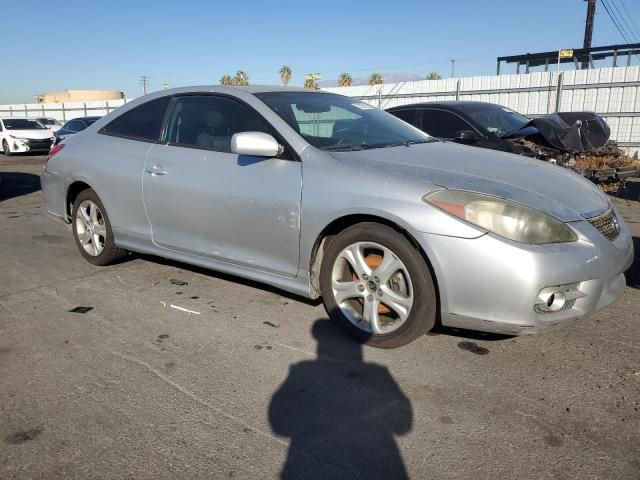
{"points": [[241, 78], [285, 74], [345, 80], [226, 80], [311, 83], [375, 79], [434, 76]]}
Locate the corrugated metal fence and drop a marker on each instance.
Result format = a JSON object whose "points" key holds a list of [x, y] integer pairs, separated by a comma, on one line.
{"points": [[61, 111], [613, 93]]}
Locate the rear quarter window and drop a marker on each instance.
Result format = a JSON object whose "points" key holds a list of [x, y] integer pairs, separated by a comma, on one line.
{"points": [[142, 123]]}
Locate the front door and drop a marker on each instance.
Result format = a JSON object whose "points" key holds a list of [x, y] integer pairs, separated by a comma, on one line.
{"points": [[202, 199]]}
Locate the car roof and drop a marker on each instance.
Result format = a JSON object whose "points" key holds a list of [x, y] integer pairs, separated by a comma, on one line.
{"points": [[457, 105], [95, 117], [234, 89], [18, 118]]}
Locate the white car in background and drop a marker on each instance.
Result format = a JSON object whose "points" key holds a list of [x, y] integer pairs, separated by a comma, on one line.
{"points": [[51, 123], [21, 134]]}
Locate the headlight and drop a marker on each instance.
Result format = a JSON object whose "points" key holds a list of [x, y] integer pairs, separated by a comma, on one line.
{"points": [[19, 138], [503, 217]]}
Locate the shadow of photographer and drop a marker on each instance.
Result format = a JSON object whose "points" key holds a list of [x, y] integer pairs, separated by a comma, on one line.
{"points": [[340, 413]]}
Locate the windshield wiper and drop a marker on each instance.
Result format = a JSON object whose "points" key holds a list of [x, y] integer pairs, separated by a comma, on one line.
{"points": [[348, 148], [406, 143], [370, 146]]}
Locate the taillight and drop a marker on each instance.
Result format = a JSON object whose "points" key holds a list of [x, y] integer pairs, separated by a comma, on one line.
{"points": [[54, 151]]}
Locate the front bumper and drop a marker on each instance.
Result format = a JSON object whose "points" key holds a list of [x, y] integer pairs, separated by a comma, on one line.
{"points": [[492, 284], [30, 145]]}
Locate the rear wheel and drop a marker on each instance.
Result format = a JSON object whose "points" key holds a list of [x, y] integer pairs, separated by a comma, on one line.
{"points": [[92, 230], [377, 285]]}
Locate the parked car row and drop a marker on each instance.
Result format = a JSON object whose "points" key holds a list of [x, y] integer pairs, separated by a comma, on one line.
{"points": [[394, 229], [23, 134]]}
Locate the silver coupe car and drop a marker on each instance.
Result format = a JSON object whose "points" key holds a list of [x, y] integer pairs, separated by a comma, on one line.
{"points": [[323, 195]]}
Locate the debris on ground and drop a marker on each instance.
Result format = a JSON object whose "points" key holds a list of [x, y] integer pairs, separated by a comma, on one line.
{"points": [[182, 309], [473, 347], [610, 155], [177, 281], [81, 309], [608, 165], [271, 324]]}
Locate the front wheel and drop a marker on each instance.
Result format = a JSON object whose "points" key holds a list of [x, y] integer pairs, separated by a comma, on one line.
{"points": [[92, 230], [5, 148], [376, 284]]}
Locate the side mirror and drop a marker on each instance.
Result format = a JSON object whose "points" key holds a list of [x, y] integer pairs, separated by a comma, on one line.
{"points": [[466, 136], [257, 144]]}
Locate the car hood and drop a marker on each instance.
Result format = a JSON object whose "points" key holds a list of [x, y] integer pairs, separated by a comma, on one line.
{"points": [[34, 134], [552, 189]]}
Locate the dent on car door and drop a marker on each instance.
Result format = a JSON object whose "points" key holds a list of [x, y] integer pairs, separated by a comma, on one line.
{"points": [[202, 199]]}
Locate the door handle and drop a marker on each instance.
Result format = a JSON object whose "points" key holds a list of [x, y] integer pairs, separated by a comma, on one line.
{"points": [[156, 170]]}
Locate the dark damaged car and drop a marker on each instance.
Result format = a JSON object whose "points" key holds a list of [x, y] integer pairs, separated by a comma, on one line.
{"points": [[557, 137]]}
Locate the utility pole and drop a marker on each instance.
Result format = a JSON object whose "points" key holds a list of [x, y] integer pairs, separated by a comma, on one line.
{"points": [[588, 29], [453, 67], [144, 81]]}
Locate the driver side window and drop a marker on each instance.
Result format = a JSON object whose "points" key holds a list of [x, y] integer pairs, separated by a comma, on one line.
{"points": [[209, 122]]}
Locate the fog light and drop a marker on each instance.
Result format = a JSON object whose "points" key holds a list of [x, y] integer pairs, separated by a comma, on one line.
{"points": [[557, 299], [553, 301]]}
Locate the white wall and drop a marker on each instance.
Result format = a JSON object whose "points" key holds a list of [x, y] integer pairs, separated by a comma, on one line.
{"points": [[61, 111], [613, 93]]}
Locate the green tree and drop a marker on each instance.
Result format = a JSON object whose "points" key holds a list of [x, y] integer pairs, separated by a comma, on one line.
{"points": [[434, 76], [285, 74], [345, 80], [241, 78], [376, 79], [226, 80], [311, 83]]}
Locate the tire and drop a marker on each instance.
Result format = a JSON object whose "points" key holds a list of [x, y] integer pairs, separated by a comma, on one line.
{"points": [[5, 148], [412, 283], [95, 243]]}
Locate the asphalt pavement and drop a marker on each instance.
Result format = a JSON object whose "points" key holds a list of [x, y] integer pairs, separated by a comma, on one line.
{"points": [[118, 372]]}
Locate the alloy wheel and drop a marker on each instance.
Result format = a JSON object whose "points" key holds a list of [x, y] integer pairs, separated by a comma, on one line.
{"points": [[91, 228], [372, 287]]}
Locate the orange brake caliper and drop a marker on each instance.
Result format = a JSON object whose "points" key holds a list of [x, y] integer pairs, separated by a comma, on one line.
{"points": [[373, 261]]}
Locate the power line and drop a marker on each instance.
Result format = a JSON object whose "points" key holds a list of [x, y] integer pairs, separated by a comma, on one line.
{"points": [[615, 21], [624, 20], [624, 7]]}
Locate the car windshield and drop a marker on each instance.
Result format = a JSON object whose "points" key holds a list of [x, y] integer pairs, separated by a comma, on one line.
{"points": [[22, 124], [49, 121], [337, 123], [497, 119]]}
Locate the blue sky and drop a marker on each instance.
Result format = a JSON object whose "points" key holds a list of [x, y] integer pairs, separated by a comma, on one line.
{"points": [[90, 44]]}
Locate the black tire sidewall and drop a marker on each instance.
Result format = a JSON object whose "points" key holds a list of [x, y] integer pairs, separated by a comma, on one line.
{"points": [[110, 252], [423, 312]]}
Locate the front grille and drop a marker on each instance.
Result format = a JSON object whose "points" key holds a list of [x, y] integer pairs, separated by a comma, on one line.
{"points": [[607, 224], [39, 143]]}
